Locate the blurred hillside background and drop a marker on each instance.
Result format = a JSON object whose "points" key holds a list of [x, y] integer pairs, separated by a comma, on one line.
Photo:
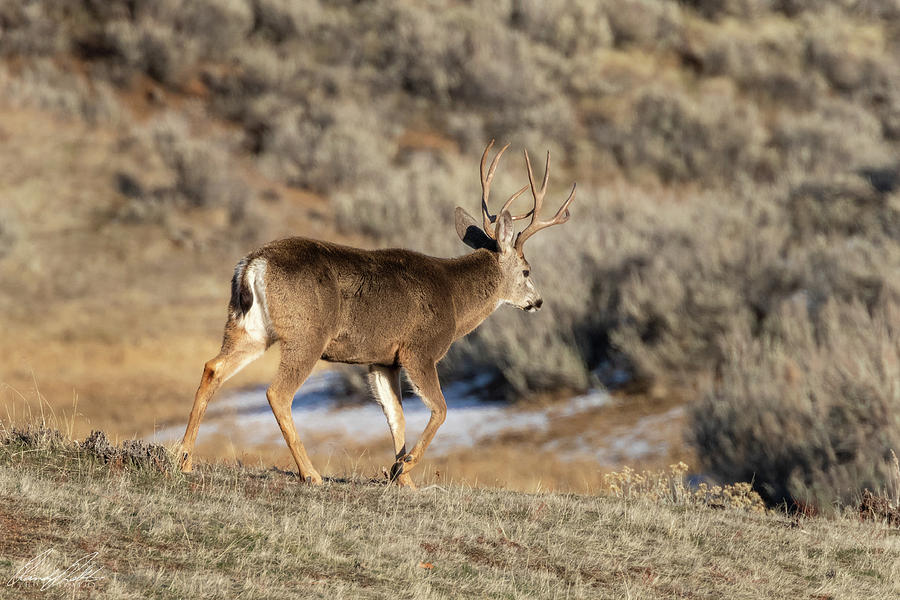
{"points": [[734, 247]]}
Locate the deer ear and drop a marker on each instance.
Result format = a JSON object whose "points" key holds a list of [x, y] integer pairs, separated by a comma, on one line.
{"points": [[469, 231], [505, 230]]}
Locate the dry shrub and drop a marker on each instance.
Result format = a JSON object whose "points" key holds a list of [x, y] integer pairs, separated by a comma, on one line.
{"points": [[146, 47], [528, 353], [715, 9], [878, 508], [325, 147], [794, 8], [35, 438], [426, 57], [843, 206], [48, 86], [767, 63], [216, 25], [667, 486], [670, 487], [228, 22], [636, 22], [29, 29], [837, 138], [201, 174], [809, 411], [135, 453], [570, 26], [201, 170], [9, 232], [884, 506], [714, 138], [847, 54], [684, 286], [281, 20], [458, 58], [414, 207]]}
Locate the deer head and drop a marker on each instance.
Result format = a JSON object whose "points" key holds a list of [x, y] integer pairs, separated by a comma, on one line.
{"points": [[499, 236]]}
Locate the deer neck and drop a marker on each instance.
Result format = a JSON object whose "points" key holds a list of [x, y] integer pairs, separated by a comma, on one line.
{"points": [[475, 287]]}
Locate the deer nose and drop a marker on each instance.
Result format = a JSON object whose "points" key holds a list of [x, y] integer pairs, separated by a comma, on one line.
{"points": [[538, 303]]}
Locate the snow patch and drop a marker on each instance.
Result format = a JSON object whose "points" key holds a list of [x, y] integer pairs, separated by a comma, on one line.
{"points": [[315, 410]]}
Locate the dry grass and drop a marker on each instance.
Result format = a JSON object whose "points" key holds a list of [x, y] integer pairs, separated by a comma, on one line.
{"points": [[248, 533]]}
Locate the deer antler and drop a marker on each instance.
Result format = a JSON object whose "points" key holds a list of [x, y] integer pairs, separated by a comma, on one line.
{"points": [[562, 215], [489, 219]]}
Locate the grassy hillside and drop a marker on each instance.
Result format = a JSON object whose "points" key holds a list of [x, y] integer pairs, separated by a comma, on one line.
{"points": [[234, 532]]}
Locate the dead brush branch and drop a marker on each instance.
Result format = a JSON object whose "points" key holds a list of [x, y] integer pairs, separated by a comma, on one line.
{"points": [[136, 453], [878, 508]]}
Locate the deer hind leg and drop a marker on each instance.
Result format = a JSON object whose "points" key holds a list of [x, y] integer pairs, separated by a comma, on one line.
{"points": [[296, 365], [385, 382], [425, 379], [238, 350]]}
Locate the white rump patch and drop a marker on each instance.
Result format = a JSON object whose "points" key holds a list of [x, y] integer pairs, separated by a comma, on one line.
{"points": [[257, 322]]}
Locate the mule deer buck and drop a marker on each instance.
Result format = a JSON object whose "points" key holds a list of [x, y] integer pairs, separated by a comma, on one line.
{"points": [[383, 308]]}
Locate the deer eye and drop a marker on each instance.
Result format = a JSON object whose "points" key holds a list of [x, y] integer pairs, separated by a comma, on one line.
{"points": [[526, 272]]}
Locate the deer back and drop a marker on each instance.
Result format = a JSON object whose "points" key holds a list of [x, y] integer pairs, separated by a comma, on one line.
{"points": [[372, 305]]}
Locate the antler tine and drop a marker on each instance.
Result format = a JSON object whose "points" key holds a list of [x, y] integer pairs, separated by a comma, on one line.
{"points": [[561, 216], [509, 202], [538, 195], [486, 179], [486, 185]]}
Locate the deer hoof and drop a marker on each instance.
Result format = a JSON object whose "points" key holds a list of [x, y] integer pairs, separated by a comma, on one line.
{"points": [[404, 480], [403, 465], [401, 478], [186, 466], [313, 480]]}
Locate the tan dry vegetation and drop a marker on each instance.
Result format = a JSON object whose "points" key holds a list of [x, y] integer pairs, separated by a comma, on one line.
{"points": [[249, 533]]}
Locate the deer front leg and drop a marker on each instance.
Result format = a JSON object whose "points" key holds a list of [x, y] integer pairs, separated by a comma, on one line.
{"points": [[385, 382], [425, 379]]}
